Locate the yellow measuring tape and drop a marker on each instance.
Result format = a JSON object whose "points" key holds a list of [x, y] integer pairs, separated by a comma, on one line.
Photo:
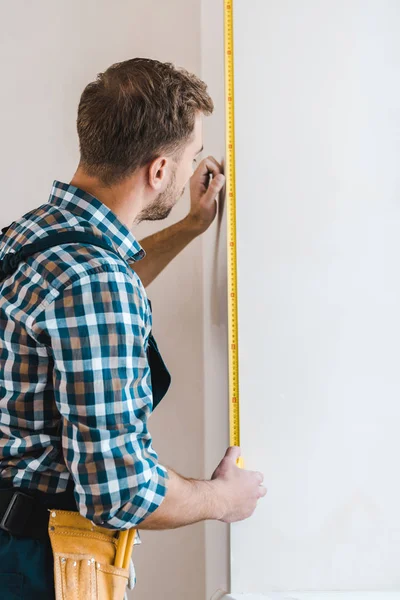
{"points": [[233, 349], [127, 541]]}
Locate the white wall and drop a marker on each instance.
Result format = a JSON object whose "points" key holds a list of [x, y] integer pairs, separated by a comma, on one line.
{"points": [[48, 52], [318, 154]]}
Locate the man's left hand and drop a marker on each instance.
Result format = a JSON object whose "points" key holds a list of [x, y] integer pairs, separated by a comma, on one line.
{"points": [[205, 185]]}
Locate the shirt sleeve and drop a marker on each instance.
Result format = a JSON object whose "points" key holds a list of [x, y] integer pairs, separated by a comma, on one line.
{"points": [[97, 330]]}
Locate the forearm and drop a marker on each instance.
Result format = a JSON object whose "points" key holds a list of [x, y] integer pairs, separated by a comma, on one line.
{"points": [[187, 501], [162, 247]]}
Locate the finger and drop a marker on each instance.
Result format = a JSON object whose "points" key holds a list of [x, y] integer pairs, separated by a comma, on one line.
{"points": [[260, 477], [207, 167], [214, 160], [214, 188], [233, 453], [262, 491], [214, 168]]}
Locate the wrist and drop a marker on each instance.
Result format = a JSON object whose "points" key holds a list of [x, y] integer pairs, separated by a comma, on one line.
{"points": [[194, 225], [213, 501]]}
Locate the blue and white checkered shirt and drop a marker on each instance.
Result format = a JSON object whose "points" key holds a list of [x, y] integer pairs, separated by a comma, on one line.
{"points": [[75, 385]]}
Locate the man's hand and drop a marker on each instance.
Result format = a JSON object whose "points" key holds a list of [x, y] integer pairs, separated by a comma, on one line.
{"points": [[231, 495], [205, 185], [239, 490]]}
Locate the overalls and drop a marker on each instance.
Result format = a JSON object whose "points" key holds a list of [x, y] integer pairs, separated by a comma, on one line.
{"points": [[26, 563]]}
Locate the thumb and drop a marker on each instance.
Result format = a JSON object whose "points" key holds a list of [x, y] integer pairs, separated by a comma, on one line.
{"points": [[233, 453], [214, 188]]}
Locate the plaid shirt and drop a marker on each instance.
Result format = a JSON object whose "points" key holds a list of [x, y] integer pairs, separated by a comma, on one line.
{"points": [[75, 385]]}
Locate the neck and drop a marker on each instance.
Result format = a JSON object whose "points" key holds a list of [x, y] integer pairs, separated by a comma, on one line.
{"points": [[125, 199]]}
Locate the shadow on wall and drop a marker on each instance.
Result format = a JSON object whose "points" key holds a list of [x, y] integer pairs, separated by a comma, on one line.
{"points": [[218, 284]]}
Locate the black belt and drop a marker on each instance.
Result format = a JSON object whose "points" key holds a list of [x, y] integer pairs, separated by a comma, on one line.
{"points": [[24, 512]]}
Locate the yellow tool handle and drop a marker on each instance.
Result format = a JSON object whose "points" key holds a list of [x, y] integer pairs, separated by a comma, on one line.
{"points": [[233, 348], [125, 546], [129, 547], [120, 555]]}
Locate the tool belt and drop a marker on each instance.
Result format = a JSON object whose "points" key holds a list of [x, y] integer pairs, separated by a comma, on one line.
{"points": [[90, 562]]}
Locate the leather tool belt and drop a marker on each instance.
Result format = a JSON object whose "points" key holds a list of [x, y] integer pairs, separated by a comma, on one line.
{"points": [[90, 562]]}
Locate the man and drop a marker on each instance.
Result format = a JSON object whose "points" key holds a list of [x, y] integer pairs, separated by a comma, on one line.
{"points": [[77, 386]]}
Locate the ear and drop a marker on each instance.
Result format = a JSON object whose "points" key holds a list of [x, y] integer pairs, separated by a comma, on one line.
{"points": [[158, 173]]}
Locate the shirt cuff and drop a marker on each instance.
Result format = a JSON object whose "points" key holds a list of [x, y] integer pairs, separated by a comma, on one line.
{"points": [[146, 500]]}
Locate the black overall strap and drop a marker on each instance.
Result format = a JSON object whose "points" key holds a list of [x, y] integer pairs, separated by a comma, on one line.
{"points": [[11, 260]]}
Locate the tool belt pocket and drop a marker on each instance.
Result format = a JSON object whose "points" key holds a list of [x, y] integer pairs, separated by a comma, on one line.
{"points": [[84, 556]]}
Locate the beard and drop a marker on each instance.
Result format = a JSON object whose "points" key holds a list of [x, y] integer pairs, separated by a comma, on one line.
{"points": [[163, 204]]}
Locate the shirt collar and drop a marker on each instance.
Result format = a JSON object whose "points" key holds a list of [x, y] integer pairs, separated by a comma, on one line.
{"points": [[90, 209]]}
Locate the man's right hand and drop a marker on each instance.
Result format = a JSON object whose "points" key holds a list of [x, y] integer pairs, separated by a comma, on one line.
{"points": [[231, 495], [238, 490]]}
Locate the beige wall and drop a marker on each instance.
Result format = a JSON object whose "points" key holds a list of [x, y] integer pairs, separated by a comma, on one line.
{"points": [[48, 52], [215, 299]]}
